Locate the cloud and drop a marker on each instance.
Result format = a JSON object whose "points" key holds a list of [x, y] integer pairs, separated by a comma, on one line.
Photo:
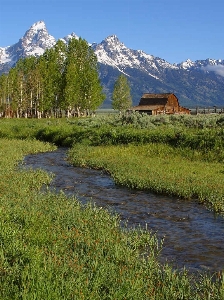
{"points": [[218, 69]]}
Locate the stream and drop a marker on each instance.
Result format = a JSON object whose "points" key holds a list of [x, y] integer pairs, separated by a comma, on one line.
{"points": [[193, 236]]}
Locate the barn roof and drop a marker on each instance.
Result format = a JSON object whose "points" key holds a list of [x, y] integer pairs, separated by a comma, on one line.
{"points": [[160, 103], [155, 99], [165, 95]]}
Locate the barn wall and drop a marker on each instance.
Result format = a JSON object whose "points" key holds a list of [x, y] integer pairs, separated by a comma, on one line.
{"points": [[172, 101]]}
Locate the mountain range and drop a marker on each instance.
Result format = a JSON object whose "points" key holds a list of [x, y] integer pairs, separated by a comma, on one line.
{"points": [[195, 83]]}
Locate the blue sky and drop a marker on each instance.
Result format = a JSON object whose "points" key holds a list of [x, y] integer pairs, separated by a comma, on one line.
{"points": [[175, 30]]}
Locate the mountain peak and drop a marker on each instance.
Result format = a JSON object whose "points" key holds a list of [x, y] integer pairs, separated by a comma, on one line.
{"points": [[147, 73], [112, 39], [187, 64], [37, 30], [34, 43], [68, 37], [40, 25], [112, 43], [37, 39]]}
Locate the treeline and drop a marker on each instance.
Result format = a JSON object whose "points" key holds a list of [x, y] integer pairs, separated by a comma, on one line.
{"points": [[64, 79]]}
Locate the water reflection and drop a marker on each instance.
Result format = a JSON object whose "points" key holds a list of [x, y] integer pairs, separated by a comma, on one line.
{"points": [[193, 236]]}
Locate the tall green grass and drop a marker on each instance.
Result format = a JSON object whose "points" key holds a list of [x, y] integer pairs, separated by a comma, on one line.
{"points": [[201, 133], [52, 247], [159, 168]]}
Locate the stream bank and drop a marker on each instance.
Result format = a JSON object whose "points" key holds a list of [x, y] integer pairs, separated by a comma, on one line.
{"points": [[193, 236]]}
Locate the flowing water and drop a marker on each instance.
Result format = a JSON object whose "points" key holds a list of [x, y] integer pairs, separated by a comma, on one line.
{"points": [[193, 236]]}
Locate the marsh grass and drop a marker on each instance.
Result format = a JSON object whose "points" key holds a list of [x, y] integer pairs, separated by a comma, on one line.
{"points": [[159, 168], [52, 247]]}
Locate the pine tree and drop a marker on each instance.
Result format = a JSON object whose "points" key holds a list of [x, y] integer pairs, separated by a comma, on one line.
{"points": [[121, 98]]}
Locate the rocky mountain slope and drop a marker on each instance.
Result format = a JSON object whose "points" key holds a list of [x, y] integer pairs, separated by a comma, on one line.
{"points": [[199, 83], [34, 42]]}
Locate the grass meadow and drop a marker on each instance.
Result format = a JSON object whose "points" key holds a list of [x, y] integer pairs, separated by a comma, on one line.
{"points": [[158, 168], [53, 247]]}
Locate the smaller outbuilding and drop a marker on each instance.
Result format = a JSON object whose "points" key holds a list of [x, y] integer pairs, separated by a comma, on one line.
{"points": [[156, 104]]}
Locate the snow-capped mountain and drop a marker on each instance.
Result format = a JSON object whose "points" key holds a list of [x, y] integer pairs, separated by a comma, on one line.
{"points": [[114, 53], [198, 82], [195, 83], [68, 37], [34, 42]]}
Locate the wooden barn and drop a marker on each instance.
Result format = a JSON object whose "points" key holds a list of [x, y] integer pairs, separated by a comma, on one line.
{"points": [[155, 104]]}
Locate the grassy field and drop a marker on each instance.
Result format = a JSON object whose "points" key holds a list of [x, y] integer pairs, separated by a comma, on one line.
{"points": [[159, 168], [53, 247]]}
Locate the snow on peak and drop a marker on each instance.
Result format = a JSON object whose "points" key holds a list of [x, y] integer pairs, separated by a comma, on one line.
{"points": [[37, 39], [112, 37], [40, 25], [73, 35], [114, 53], [111, 51], [34, 43], [68, 37], [4, 56], [37, 31], [113, 41], [187, 64], [212, 61]]}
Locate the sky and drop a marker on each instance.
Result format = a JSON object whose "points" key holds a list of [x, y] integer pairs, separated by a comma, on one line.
{"points": [[174, 30]]}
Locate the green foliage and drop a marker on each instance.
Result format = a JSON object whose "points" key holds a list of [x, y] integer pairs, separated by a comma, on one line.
{"points": [[121, 98], [64, 77], [181, 132]]}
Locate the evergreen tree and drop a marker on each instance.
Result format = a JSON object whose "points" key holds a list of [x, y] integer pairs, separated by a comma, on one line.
{"points": [[121, 98]]}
